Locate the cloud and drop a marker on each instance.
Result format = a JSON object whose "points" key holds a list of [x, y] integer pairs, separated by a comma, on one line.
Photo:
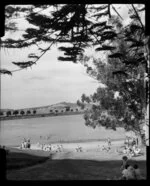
{"points": [[37, 78]]}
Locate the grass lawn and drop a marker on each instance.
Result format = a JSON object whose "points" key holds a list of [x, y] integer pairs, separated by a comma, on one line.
{"points": [[17, 160], [27, 166]]}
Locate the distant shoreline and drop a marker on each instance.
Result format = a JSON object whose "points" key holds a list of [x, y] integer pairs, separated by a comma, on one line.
{"points": [[74, 141], [84, 141], [77, 142], [38, 116]]}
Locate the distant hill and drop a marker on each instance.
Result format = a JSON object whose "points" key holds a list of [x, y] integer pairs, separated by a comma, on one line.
{"points": [[64, 104]]}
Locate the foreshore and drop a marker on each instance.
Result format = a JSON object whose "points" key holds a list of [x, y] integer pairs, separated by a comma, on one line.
{"points": [[38, 116], [86, 145], [71, 147], [90, 150], [73, 142]]}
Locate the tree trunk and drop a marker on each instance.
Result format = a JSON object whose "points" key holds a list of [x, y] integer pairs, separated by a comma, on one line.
{"points": [[140, 141]]}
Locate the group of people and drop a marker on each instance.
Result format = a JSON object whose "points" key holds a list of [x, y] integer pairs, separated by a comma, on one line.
{"points": [[49, 147], [79, 149], [107, 148], [26, 144], [131, 149], [130, 172], [134, 141]]}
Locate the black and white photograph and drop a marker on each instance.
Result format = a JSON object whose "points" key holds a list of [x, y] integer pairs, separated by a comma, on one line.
{"points": [[74, 102]]}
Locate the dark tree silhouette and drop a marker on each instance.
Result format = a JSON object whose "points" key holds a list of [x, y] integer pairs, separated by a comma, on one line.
{"points": [[34, 111], [67, 109], [8, 113], [22, 112], [28, 112], [1, 113], [16, 112]]}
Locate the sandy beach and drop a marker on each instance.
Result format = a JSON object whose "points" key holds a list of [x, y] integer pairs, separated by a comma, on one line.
{"points": [[72, 146], [90, 150]]}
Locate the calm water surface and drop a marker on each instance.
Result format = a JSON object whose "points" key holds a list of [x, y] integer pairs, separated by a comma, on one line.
{"points": [[52, 129]]}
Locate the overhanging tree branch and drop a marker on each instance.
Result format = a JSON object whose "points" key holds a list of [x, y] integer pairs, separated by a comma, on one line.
{"points": [[117, 12], [38, 57], [138, 17]]}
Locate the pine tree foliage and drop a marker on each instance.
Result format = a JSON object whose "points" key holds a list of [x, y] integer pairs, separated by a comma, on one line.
{"points": [[4, 71], [66, 23], [24, 64]]}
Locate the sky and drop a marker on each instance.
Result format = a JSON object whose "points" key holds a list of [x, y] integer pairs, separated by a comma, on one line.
{"points": [[48, 82]]}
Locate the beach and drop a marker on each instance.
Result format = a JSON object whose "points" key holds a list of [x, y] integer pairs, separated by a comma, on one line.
{"points": [[91, 163], [89, 150], [80, 156]]}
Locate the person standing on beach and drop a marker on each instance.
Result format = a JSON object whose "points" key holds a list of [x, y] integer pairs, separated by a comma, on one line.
{"points": [[137, 141], [24, 143], [109, 142], [133, 142]]}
